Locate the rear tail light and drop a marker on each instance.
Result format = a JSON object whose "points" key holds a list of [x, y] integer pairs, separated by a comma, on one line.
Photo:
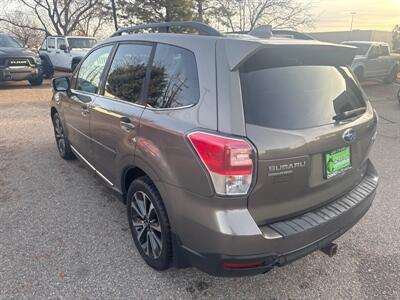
{"points": [[229, 161]]}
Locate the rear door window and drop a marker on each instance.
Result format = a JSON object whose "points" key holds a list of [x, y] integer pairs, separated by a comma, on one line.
{"points": [[127, 73], [51, 43], [60, 42], [174, 81], [297, 97]]}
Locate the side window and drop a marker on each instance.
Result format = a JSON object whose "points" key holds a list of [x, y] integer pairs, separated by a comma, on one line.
{"points": [[174, 80], [60, 41], [51, 43], [89, 74], [375, 52], [385, 51], [127, 72]]}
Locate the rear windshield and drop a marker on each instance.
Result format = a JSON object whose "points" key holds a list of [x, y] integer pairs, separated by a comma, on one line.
{"points": [[297, 97]]}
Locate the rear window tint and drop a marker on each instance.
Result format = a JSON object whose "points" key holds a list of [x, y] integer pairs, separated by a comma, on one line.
{"points": [[174, 81], [297, 97]]}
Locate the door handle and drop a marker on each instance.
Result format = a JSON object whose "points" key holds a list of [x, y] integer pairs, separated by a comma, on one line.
{"points": [[126, 124], [85, 110]]}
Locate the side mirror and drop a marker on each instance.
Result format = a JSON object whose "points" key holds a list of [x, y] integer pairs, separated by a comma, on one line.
{"points": [[63, 47], [61, 84]]}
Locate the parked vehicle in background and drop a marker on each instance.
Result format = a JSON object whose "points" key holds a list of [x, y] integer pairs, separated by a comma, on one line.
{"points": [[234, 154], [65, 52], [18, 63], [374, 61]]}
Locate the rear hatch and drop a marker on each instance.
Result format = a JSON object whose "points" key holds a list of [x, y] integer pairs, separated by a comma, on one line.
{"points": [[310, 149]]}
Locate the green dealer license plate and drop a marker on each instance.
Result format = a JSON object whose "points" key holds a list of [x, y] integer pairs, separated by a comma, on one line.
{"points": [[336, 162]]}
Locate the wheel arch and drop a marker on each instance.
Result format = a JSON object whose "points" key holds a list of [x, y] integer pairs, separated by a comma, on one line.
{"points": [[359, 71], [132, 172], [75, 60], [45, 56], [129, 174]]}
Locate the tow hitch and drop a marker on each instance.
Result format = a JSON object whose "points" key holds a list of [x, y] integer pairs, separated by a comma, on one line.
{"points": [[330, 249]]}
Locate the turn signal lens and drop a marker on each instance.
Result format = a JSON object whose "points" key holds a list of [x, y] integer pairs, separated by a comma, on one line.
{"points": [[229, 161]]}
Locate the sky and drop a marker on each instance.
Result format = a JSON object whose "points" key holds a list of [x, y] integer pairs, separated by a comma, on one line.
{"points": [[335, 15]]}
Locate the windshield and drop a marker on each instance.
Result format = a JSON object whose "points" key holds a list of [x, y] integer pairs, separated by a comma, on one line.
{"points": [[81, 43], [297, 97], [8, 42], [362, 49]]}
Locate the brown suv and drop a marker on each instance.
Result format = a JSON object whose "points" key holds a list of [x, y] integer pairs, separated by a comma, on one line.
{"points": [[234, 154]]}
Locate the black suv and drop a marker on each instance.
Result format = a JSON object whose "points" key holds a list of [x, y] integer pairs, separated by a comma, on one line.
{"points": [[18, 63]]}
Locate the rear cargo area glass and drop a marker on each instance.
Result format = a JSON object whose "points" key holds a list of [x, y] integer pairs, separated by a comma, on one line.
{"points": [[298, 96]]}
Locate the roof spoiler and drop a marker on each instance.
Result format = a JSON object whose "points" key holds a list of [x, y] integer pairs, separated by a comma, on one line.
{"points": [[239, 52]]}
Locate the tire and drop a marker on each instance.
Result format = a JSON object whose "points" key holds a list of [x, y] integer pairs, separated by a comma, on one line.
{"points": [[36, 81], [48, 68], [392, 77], [63, 145], [148, 221], [48, 76], [359, 72]]}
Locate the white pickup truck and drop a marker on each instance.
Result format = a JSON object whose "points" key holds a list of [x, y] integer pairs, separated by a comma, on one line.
{"points": [[373, 61], [65, 52]]}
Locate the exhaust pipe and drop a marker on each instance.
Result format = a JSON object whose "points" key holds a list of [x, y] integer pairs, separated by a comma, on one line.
{"points": [[330, 249]]}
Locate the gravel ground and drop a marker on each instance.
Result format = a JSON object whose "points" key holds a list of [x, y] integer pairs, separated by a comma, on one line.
{"points": [[63, 235]]}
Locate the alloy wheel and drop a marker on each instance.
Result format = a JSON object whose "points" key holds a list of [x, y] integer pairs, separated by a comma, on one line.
{"points": [[146, 224], [59, 134]]}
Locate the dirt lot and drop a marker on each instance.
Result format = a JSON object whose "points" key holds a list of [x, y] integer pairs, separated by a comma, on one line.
{"points": [[62, 234]]}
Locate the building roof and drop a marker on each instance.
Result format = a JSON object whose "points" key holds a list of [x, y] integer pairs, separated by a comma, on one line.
{"points": [[367, 43]]}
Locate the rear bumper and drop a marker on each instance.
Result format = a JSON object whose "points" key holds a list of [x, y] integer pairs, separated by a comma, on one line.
{"points": [[283, 247], [20, 73]]}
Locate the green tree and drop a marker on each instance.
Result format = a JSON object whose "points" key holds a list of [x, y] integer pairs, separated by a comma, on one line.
{"points": [[148, 11]]}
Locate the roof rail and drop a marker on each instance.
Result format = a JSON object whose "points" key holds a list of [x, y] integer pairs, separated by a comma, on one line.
{"points": [[202, 28]]}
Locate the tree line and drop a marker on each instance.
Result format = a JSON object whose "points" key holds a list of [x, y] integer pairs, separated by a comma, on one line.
{"points": [[28, 19]]}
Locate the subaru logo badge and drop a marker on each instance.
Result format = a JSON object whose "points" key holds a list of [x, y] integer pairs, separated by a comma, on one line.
{"points": [[349, 135]]}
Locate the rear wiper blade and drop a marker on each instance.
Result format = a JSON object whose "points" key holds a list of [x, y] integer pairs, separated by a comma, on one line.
{"points": [[350, 113]]}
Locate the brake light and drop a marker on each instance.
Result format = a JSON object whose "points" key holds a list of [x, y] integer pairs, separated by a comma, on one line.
{"points": [[229, 161]]}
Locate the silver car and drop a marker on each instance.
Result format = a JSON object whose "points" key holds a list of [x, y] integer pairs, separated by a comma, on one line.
{"points": [[373, 61]]}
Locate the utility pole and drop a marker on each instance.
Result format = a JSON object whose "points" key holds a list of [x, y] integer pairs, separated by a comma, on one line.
{"points": [[352, 19], [114, 11]]}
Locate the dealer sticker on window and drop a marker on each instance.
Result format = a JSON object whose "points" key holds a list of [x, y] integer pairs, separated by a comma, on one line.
{"points": [[336, 162]]}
